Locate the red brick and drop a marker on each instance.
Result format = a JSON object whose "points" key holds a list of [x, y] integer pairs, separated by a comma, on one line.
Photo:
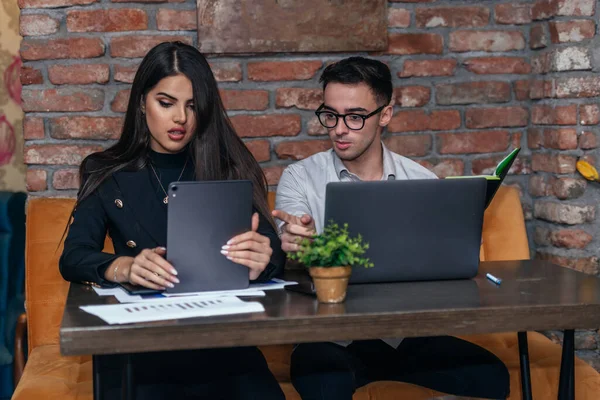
{"points": [[283, 70], [260, 149], [63, 99], [36, 180], [37, 25], [65, 179], [498, 65], [96, 128], [588, 140], [496, 117], [445, 167], [107, 20], [120, 101], [409, 145], [588, 265], [226, 71], [562, 59], [473, 92], [473, 142], [428, 68], [589, 114], [521, 89], [148, 1], [415, 43], [558, 164], [138, 46], [33, 128], [462, 41], [539, 186], [412, 96], [568, 188], [176, 20], [267, 125], [49, 49], [560, 138], [304, 99], [544, 9], [31, 76], [273, 174], [511, 13], [301, 149], [78, 74], [540, 89], [419, 120], [398, 18], [566, 238], [564, 213], [487, 166], [58, 154], [125, 73], [538, 36], [576, 7], [314, 128], [454, 17], [245, 99], [578, 87], [559, 115], [52, 3], [572, 31]]}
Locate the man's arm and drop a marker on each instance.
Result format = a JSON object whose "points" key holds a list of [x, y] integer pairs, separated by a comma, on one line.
{"points": [[292, 209]]}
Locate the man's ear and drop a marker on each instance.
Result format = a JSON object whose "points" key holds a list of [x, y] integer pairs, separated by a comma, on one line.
{"points": [[386, 115]]}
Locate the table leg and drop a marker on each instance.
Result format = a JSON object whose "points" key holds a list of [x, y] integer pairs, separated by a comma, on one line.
{"points": [[97, 378], [566, 385], [127, 381], [524, 363]]}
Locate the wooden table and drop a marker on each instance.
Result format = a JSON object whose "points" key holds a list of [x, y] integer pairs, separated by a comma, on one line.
{"points": [[534, 295]]}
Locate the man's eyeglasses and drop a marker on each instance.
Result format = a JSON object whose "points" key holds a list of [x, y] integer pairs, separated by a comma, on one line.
{"points": [[355, 122]]}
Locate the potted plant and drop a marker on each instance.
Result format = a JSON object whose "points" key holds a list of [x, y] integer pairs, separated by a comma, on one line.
{"points": [[329, 257]]}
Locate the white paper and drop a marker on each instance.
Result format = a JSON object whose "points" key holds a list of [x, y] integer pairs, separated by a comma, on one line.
{"points": [[254, 290], [176, 308]]}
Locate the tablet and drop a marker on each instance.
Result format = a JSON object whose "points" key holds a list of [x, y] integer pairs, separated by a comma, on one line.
{"points": [[202, 217]]}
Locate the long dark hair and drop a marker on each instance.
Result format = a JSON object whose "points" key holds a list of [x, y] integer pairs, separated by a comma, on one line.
{"points": [[217, 151]]}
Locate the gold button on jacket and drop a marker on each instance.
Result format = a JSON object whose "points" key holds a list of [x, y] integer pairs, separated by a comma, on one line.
{"points": [[131, 243], [119, 203]]}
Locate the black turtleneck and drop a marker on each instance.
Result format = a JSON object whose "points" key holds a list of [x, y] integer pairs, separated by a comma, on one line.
{"points": [[169, 168]]}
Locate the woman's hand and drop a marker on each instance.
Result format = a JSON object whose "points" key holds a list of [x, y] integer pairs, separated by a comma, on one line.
{"points": [[250, 249], [151, 270]]}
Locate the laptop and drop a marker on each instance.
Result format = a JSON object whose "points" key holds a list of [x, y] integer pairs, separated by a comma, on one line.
{"points": [[202, 217], [417, 230]]}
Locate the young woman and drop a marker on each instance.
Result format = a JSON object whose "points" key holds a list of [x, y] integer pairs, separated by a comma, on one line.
{"points": [[175, 129]]}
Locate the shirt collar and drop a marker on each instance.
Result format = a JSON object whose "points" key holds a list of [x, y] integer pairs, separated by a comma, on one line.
{"points": [[389, 168]]}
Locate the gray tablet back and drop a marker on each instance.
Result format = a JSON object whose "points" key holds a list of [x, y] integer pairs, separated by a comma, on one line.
{"points": [[202, 217], [417, 230]]}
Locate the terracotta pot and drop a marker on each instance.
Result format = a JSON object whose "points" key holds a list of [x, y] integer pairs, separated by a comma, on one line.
{"points": [[330, 283]]}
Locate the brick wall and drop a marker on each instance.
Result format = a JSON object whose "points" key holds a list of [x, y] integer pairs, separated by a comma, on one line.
{"points": [[473, 80]]}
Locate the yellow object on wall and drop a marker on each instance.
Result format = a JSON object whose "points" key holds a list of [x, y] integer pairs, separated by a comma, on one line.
{"points": [[12, 167]]}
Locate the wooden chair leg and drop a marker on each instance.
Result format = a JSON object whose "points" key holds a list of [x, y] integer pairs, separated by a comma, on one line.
{"points": [[19, 358]]}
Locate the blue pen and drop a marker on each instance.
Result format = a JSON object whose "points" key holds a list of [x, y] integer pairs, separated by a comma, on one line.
{"points": [[492, 278]]}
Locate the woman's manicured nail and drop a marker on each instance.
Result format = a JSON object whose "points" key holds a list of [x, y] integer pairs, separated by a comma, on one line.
{"points": [[224, 252], [225, 247]]}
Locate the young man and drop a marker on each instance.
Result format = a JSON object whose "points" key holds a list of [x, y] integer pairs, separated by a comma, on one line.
{"points": [[357, 106]]}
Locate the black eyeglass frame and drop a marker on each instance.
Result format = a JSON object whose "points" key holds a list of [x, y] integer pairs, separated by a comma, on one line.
{"points": [[343, 116]]}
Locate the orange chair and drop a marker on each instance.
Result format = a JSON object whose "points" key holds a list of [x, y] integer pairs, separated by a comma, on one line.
{"points": [[49, 375]]}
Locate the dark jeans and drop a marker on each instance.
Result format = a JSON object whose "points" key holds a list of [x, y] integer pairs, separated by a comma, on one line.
{"points": [[443, 363], [231, 373]]}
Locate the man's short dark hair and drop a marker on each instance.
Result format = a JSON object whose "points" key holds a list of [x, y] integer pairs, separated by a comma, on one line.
{"points": [[355, 70]]}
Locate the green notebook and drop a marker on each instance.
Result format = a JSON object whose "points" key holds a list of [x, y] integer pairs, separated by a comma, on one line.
{"points": [[494, 180]]}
